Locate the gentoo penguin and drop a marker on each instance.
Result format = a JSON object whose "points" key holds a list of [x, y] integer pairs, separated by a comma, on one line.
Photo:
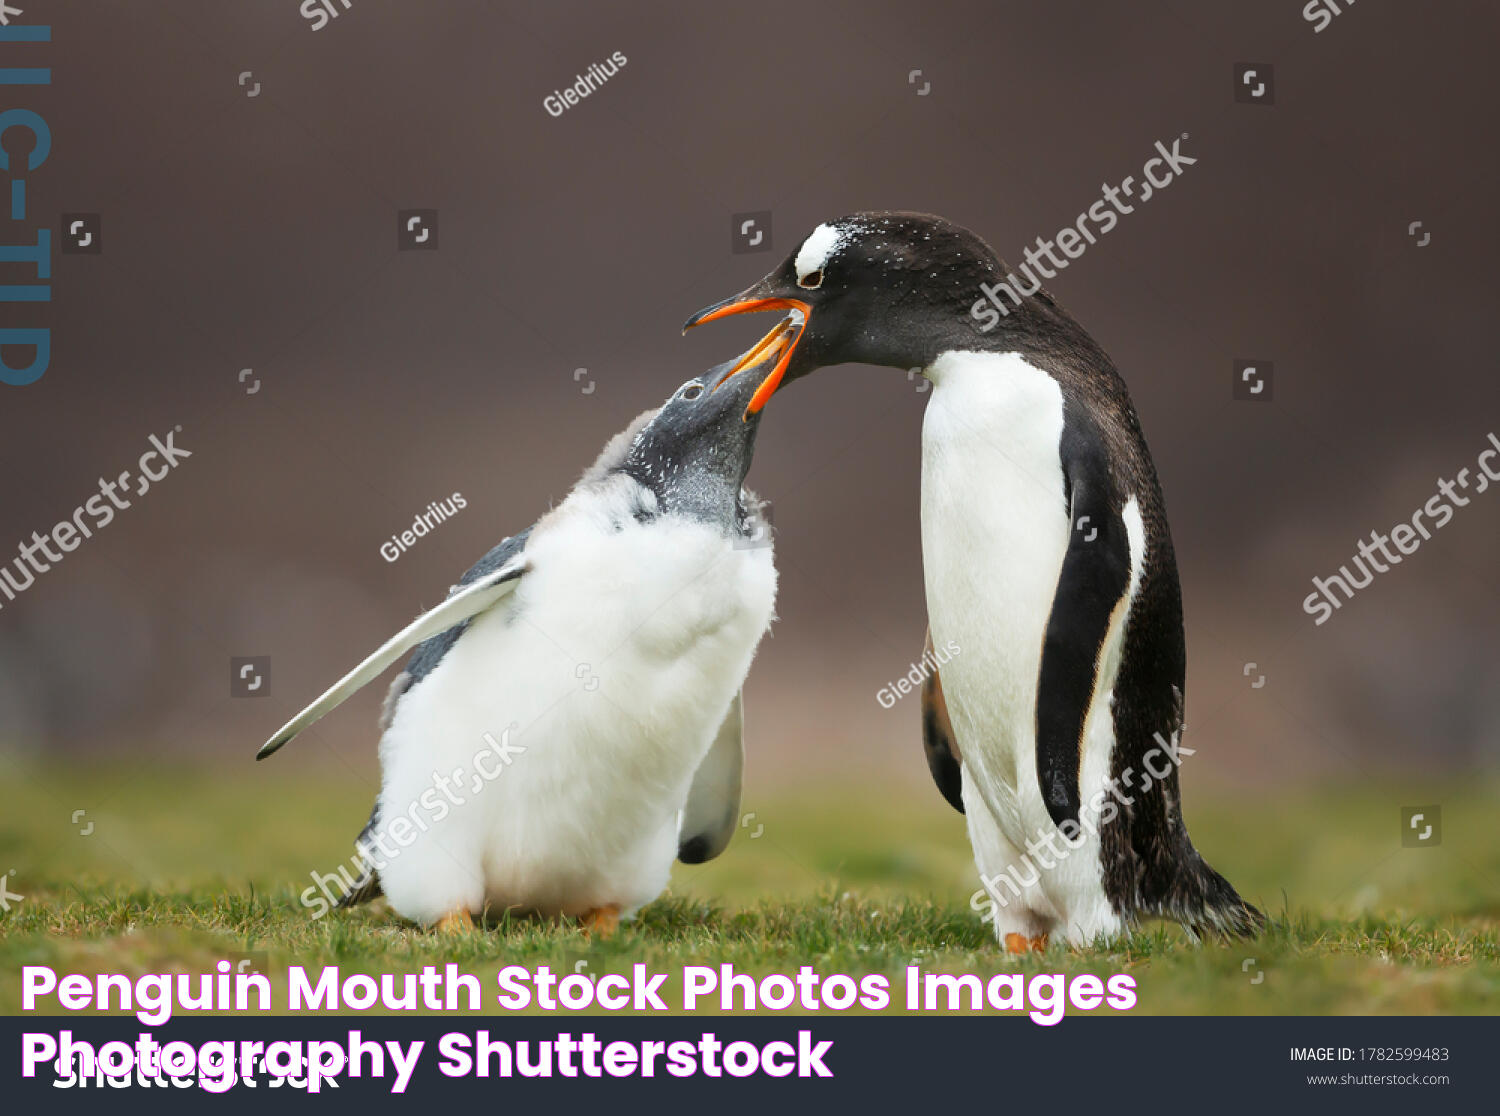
{"points": [[1055, 723], [570, 721]]}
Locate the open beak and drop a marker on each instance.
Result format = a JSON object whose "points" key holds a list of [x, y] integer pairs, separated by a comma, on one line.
{"points": [[777, 346]]}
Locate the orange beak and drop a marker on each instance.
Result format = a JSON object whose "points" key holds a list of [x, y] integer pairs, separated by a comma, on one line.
{"points": [[778, 345]]}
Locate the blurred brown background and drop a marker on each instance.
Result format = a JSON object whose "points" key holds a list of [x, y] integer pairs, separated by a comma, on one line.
{"points": [[260, 232]]}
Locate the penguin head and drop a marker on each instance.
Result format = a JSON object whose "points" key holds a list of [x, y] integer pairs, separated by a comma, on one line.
{"points": [[693, 453], [892, 289]]}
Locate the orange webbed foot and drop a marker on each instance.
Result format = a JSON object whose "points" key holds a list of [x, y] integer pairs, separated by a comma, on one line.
{"points": [[603, 921]]}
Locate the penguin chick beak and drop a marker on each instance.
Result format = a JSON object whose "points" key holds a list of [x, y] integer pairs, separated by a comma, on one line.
{"points": [[776, 346], [771, 352]]}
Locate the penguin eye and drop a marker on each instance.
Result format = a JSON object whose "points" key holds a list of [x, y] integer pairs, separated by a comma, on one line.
{"points": [[812, 280], [692, 391]]}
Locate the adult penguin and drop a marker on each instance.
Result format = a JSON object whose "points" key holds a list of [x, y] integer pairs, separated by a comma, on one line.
{"points": [[1055, 724]]}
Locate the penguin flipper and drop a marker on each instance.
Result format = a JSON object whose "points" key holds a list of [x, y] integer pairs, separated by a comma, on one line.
{"points": [[1095, 575], [938, 741], [712, 812], [471, 599], [367, 886]]}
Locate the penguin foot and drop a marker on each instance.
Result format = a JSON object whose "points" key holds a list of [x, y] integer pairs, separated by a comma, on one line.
{"points": [[455, 922], [603, 921], [1020, 943]]}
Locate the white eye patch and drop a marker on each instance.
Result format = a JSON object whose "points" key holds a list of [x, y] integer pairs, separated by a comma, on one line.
{"points": [[817, 250]]}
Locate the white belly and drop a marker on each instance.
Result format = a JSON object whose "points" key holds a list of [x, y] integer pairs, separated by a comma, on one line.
{"points": [[995, 530], [994, 533], [615, 661]]}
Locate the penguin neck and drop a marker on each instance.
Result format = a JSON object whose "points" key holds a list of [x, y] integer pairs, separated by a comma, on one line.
{"points": [[705, 495], [920, 323], [979, 389], [1055, 346]]}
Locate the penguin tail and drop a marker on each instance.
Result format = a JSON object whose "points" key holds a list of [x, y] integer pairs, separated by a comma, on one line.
{"points": [[1207, 904]]}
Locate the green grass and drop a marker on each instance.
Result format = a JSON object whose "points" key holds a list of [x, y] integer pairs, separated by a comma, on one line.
{"points": [[184, 867]]}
